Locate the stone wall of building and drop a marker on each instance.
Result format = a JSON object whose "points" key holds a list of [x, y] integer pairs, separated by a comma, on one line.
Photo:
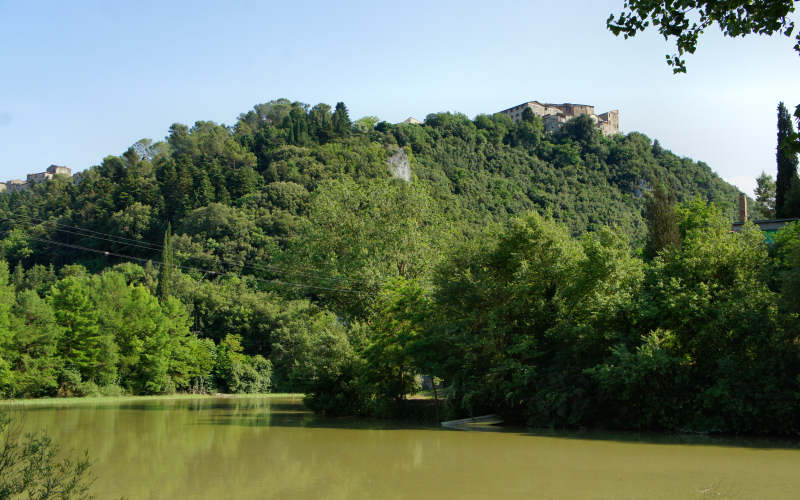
{"points": [[59, 170], [609, 122], [573, 110], [554, 115], [17, 185], [41, 176]]}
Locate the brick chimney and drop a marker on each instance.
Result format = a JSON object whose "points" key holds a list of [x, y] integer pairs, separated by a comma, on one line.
{"points": [[742, 207]]}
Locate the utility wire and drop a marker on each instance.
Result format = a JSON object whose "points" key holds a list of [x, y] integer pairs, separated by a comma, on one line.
{"points": [[190, 268], [146, 245], [54, 223], [158, 247]]}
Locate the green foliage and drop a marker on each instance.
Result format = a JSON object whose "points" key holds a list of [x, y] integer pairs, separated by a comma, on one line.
{"points": [[238, 373], [508, 268], [341, 120], [787, 257], [394, 347], [662, 226], [164, 289], [85, 348], [685, 21], [107, 334], [36, 363], [787, 166], [32, 466], [524, 313], [765, 196], [6, 340], [358, 236], [551, 330]]}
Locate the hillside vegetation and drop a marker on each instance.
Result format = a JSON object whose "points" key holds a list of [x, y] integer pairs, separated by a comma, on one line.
{"points": [[282, 253]]}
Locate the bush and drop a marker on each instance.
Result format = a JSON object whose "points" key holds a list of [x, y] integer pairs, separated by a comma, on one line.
{"points": [[30, 467]]}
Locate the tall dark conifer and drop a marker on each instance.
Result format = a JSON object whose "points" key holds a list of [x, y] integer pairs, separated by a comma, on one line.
{"points": [[341, 120], [164, 288], [787, 162], [662, 223]]}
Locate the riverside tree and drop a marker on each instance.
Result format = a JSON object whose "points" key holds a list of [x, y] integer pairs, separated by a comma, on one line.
{"points": [[787, 181]]}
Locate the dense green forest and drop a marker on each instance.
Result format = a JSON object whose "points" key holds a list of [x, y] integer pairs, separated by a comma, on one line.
{"points": [[514, 268]]}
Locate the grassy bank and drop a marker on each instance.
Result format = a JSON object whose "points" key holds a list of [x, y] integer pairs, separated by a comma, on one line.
{"points": [[18, 403]]}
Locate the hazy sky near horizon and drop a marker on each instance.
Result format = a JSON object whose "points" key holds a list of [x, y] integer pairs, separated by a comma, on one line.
{"points": [[83, 80]]}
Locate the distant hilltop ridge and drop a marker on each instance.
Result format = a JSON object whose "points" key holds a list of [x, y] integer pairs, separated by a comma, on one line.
{"points": [[20, 185], [555, 115]]}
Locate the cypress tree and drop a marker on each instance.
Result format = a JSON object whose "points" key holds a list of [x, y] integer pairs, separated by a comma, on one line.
{"points": [[787, 162], [19, 277], [341, 120], [164, 288], [662, 224]]}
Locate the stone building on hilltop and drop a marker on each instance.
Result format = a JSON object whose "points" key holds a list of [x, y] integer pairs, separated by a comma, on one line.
{"points": [[49, 173], [555, 115], [38, 177], [17, 185], [59, 170]]}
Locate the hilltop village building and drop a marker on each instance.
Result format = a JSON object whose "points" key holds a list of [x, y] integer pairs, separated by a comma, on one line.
{"points": [[555, 115], [16, 185]]}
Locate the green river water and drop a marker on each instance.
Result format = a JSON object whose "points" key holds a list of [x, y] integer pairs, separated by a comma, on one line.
{"points": [[269, 447]]}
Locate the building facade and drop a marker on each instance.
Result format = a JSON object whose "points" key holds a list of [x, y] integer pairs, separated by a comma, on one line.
{"points": [[555, 115], [41, 176], [59, 170], [17, 185]]}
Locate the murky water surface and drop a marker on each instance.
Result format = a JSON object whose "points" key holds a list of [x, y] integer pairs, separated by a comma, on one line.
{"points": [[273, 448]]}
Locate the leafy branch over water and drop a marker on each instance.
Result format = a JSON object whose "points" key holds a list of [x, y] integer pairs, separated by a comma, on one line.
{"points": [[32, 467]]}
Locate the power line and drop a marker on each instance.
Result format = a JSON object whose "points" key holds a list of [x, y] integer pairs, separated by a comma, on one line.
{"points": [[158, 247], [146, 245], [54, 223], [190, 268]]}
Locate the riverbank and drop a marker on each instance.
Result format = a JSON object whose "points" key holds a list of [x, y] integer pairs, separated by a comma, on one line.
{"points": [[22, 403]]}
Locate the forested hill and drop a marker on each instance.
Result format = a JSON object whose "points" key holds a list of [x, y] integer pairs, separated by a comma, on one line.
{"points": [[239, 193], [282, 254]]}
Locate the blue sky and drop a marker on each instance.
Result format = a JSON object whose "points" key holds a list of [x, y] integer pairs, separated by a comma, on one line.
{"points": [[82, 80]]}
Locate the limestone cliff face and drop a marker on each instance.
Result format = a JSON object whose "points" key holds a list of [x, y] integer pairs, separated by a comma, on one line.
{"points": [[399, 165]]}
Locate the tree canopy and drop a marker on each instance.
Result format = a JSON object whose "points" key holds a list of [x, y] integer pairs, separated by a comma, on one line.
{"points": [[686, 20]]}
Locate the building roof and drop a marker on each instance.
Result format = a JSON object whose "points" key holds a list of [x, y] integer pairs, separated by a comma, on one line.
{"points": [[568, 104], [522, 104], [765, 224]]}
